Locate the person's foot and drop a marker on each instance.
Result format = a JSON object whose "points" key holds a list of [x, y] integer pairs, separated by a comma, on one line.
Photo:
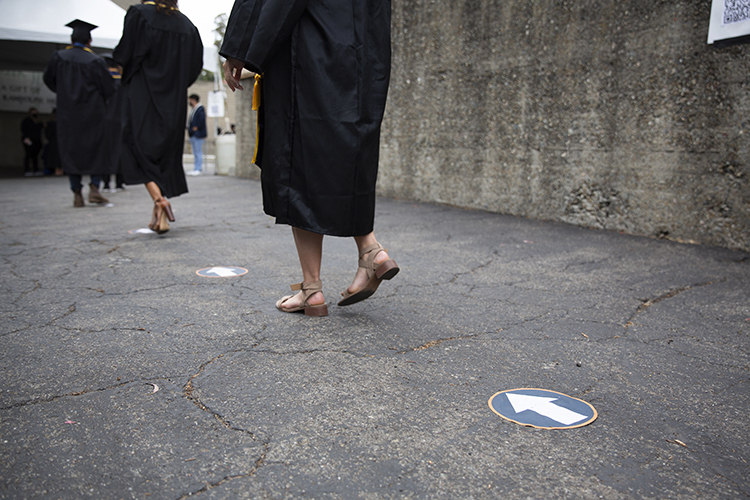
{"points": [[38, 174], [95, 196], [374, 267], [28, 174], [361, 279], [309, 300], [194, 172], [78, 199], [296, 301]]}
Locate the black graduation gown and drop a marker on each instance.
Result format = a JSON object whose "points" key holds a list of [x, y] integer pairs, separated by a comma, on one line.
{"points": [[82, 82], [114, 123], [161, 56], [326, 68], [51, 153]]}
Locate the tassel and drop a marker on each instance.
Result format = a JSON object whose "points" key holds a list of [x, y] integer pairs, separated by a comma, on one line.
{"points": [[256, 93]]}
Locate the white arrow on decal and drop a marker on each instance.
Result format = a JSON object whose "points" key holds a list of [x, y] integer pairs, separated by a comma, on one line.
{"points": [[544, 407], [221, 272]]}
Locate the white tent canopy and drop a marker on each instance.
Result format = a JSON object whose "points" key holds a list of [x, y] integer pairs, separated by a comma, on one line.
{"points": [[30, 30], [45, 20]]}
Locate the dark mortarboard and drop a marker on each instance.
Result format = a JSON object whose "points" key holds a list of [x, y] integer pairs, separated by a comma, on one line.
{"points": [[81, 28]]}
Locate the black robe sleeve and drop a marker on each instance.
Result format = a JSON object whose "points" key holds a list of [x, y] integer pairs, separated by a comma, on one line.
{"points": [[104, 80], [129, 53], [50, 73], [256, 29]]}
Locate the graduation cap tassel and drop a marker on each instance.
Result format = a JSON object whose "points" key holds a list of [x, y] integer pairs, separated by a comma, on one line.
{"points": [[256, 93]]}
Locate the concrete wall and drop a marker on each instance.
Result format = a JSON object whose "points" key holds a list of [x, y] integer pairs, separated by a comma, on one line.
{"points": [[611, 114], [246, 123]]}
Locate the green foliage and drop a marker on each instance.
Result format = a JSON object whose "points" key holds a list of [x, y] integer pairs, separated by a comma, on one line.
{"points": [[206, 76], [221, 28]]}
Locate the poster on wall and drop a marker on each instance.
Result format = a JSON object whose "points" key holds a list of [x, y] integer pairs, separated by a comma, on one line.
{"points": [[216, 104], [21, 90], [730, 20]]}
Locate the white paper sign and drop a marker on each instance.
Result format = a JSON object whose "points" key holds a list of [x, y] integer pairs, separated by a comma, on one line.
{"points": [[729, 19], [21, 90], [216, 104]]}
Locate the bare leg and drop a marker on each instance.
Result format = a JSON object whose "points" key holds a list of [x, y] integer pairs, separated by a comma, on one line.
{"points": [[153, 190], [310, 252], [360, 279]]}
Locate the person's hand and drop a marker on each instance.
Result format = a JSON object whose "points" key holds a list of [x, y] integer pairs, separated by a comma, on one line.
{"points": [[27, 141], [233, 73]]}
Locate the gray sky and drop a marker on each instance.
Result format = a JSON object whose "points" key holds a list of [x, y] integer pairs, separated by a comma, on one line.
{"points": [[202, 14]]}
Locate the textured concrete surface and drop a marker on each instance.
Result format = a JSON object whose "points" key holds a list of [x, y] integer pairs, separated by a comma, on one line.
{"points": [[246, 126], [383, 399], [605, 114]]}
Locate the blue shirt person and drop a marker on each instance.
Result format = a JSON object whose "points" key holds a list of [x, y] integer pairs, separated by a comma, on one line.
{"points": [[197, 131]]}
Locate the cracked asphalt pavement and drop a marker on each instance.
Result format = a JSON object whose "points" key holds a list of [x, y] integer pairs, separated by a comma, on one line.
{"points": [[126, 375]]}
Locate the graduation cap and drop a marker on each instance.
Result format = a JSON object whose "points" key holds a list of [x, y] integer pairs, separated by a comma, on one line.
{"points": [[81, 29]]}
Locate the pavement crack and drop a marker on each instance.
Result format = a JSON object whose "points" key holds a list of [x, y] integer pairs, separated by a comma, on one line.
{"points": [[37, 286], [49, 399], [673, 292], [226, 479], [475, 269], [189, 391], [190, 395], [309, 351], [140, 290], [435, 343]]}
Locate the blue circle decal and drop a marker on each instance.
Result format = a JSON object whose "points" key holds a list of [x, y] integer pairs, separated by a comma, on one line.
{"points": [[221, 272], [542, 409]]}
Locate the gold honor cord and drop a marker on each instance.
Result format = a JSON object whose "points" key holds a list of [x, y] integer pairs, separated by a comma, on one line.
{"points": [[161, 5], [256, 107], [256, 92], [80, 47]]}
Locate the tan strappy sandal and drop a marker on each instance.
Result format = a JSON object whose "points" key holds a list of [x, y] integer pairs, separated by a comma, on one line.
{"points": [[375, 274], [308, 290]]}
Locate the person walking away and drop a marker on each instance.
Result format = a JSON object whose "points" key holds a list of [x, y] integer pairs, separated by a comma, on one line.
{"points": [[324, 68], [31, 137], [83, 84], [114, 126], [161, 54], [197, 131]]}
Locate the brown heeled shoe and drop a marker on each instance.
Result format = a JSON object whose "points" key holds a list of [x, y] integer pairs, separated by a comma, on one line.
{"points": [[375, 274], [154, 218], [308, 290], [163, 214]]}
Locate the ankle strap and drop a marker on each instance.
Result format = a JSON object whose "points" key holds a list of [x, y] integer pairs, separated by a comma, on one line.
{"points": [[370, 248], [315, 286]]}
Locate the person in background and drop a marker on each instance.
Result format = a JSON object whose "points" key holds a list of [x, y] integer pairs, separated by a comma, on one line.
{"points": [[114, 126], [51, 154], [31, 137], [83, 84], [161, 54], [197, 131]]}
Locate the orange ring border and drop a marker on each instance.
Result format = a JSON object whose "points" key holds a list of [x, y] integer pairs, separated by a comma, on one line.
{"points": [[596, 413], [235, 276]]}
